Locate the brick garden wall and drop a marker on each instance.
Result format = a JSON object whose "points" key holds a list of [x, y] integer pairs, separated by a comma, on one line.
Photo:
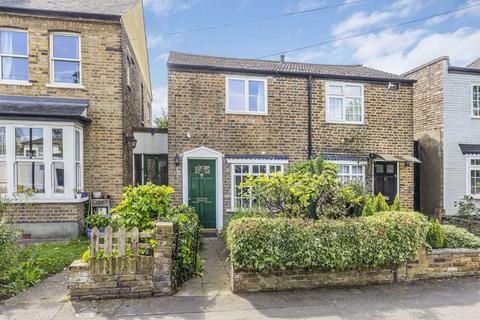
{"points": [[48, 212], [442, 263], [197, 109], [134, 276]]}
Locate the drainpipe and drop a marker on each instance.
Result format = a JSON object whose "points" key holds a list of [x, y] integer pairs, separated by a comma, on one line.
{"points": [[309, 124]]}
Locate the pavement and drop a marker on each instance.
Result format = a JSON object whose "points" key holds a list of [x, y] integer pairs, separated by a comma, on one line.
{"points": [[209, 298]]}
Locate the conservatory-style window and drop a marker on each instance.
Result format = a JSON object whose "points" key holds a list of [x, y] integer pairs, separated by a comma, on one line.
{"points": [[40, 160], [240, 172]]}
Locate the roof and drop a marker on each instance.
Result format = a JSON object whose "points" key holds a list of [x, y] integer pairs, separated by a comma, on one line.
{"points": [[427, 64], [200, 62], [475, 64], [44, 108], [98, 9], [470, 148]]}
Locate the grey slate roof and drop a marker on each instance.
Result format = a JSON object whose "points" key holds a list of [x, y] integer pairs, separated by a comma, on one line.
{"points": [[106, 8], [475, 64], [42, 107], [470, 148], [184, 60]]}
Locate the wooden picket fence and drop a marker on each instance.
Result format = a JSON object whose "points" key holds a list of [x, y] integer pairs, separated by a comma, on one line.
{"points": [[121, 243]]}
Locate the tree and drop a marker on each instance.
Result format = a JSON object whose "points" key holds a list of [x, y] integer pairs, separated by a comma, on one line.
{"points": [[161, 122]]}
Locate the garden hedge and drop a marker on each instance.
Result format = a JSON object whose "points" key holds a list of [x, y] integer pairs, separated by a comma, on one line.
{"points": [[265, 244], [456, 237]]}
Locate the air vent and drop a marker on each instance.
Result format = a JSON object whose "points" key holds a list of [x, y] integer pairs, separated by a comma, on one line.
{"points": [[394, 86]]}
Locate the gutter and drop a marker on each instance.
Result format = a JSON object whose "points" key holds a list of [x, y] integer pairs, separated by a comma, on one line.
{"points": [[80, 119], [60, 14]]}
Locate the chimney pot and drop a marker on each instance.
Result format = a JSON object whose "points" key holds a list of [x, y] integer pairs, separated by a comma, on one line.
{"points": [[282, 58]]}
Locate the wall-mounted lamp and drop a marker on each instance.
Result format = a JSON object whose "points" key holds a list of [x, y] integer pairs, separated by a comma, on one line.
{"points": [[130, 140], [177, 160]]}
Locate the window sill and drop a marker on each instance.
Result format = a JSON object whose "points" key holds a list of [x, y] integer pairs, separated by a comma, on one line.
{"points": [[247, 113], [346, 122], [47, 200], [15, 83], [64, 85]]}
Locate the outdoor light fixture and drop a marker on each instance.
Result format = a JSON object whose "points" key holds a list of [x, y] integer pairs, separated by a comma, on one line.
{"points": [[177, 160], [130, 140]]}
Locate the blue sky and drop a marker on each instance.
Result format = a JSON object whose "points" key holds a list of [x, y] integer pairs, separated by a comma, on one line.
{"points": [[256, 31]]}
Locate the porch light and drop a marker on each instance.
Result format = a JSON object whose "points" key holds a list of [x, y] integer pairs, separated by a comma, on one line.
{"points": [[177, 160], [131, 141]]}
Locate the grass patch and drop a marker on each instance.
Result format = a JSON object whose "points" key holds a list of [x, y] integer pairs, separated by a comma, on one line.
{"points": [[25, 266]]}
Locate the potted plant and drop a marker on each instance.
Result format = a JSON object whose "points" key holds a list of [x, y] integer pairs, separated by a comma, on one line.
{"points": [[78, 193], [99, 220]]}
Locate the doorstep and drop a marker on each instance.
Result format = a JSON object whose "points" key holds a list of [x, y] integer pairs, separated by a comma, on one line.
{"points": [[210, 232]]}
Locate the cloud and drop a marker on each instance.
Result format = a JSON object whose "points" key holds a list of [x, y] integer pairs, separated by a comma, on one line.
{"points": [[312, 56], [402, 51], [361, 20], [305, 5], [167, 7], [160, 101]]}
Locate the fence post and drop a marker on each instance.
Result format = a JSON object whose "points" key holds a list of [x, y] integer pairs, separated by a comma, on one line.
{"points": [[94, 242], [121, 241], [108, 240], [134, 236], [163, 261]]}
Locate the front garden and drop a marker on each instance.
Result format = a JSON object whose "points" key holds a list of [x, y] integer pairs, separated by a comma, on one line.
{"points": [[307, 220]]}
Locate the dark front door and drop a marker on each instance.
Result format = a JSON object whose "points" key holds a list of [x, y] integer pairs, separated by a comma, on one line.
{"points": [[155, 169], [202, 190], [385, 176]]}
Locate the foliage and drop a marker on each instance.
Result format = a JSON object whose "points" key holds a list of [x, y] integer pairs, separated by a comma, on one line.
{"points": [[456, 237], [435, 235], [396, 205], [380, 204], [161, 122], [467, 207], [26, 266], [100, 220], [142, 205], [301, 194], [316, 166], [265, 244], [187, 261]]}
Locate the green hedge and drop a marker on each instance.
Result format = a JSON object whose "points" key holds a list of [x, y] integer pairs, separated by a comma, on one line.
{"points": [[266, 244], [456, 237]]}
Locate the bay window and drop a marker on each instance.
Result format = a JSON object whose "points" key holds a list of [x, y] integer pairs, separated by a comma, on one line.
{"points": [[40, 159], [240, 172], [473, 176], [65, 59], [345, 103], [13, 55], [245, 95]]}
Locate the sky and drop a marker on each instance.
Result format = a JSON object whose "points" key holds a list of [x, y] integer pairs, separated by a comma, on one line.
{"points": [[259, 28]]}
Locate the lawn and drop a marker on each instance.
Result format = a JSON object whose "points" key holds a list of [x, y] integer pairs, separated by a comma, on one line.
{"points": [[25, 266]]}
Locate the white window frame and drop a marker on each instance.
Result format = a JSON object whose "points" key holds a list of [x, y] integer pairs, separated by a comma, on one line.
{"points": [[471, 167], [246, 80], [471, 97], [351, 164], [3, 157], [58, 161], [250, 163], [49, 196], [344, 97], [52, 83], [16, 82]]}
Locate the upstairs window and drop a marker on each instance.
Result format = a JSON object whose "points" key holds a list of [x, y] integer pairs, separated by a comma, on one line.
{"points": [[13, 55], [65, 59], [246, 96], [345, 103], [476, 101]]}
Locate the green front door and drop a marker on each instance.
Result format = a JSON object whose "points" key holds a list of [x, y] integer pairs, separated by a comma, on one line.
{"points": [[202, 190]]}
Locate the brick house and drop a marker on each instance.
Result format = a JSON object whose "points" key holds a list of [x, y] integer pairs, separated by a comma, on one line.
{"points": [[233, 117], [447, 128], [75, 83]]}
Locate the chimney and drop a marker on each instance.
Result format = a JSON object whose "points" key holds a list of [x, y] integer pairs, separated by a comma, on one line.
{"points": [[282, 58]]}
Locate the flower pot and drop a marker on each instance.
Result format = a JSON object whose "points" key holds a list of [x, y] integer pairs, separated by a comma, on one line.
{"points": [[88, 232], [78, 196], [97, 195]]}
